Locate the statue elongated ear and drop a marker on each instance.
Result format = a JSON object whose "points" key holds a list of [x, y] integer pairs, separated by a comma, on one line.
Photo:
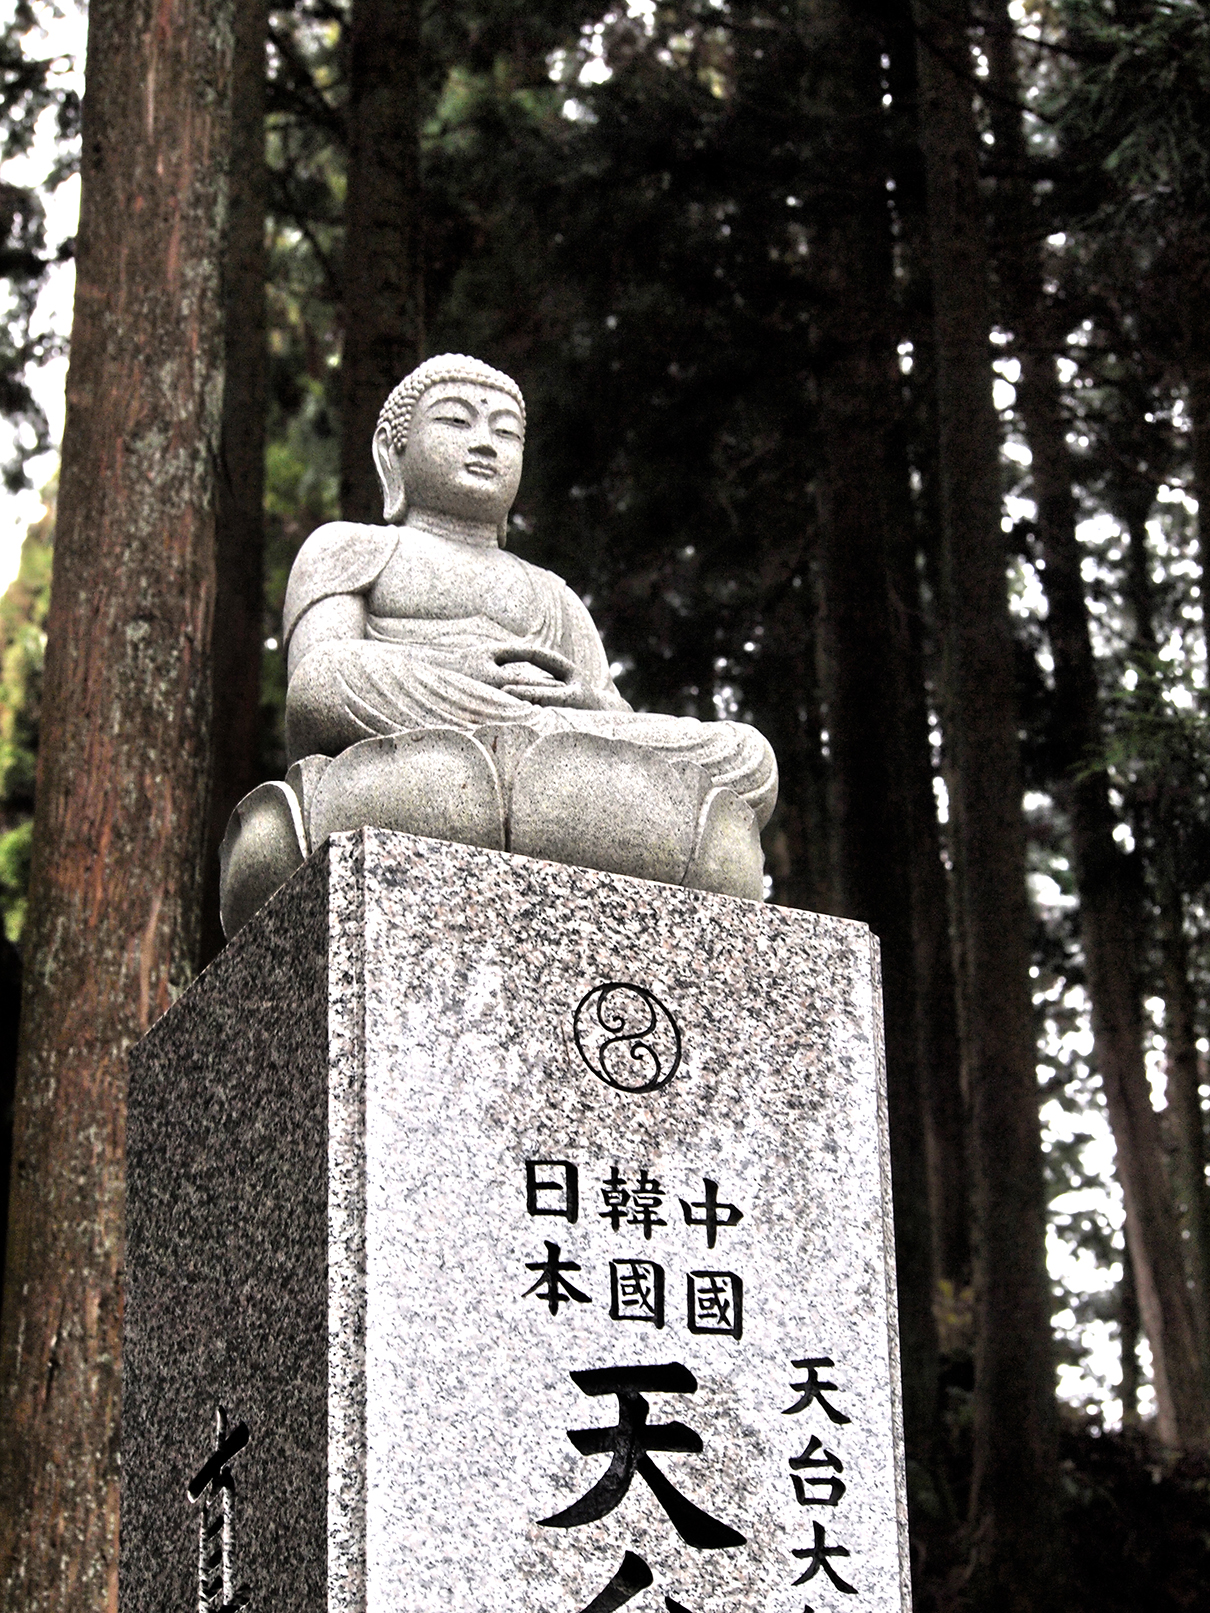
{"points": [[389, 465]]}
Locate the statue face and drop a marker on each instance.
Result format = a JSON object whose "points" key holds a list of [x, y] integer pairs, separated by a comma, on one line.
{"points": [[463, 454]]}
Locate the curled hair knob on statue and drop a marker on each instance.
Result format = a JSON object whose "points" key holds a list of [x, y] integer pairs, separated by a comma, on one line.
{"points": [[440, 686]]}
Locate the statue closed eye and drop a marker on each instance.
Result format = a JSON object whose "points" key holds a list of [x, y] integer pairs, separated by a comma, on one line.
{"points": [[443, 687]]}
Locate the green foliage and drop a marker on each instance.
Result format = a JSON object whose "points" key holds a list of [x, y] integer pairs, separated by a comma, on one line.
{"points": [[27, 90], [666, 377], [23, 611], [1142, 98], [667, 373], [14, 877], [1157, 749]]}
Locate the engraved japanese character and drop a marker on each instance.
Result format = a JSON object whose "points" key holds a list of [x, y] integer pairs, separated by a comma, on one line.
{"points": [[645, 1199], [716, 1303], [807, 1460], [817, 1557], [551, 1285], [632, 1577], [556, 1191], [714, 1214], [627, 1444], [616, 1197], [636, 1291], [214, 1486], [809, 1392]]}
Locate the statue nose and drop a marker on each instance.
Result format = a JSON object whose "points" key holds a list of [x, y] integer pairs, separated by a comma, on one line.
{"points": [[484, 448]]}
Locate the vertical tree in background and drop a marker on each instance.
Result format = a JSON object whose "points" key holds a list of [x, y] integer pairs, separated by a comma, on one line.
{"points": [[1109, 885], [914, 556], [381, 313], [123, 764], [239, 585], [1013, 1498], [863, 516]]}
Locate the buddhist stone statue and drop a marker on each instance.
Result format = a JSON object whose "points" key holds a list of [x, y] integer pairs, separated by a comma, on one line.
{"points": [[441, 686]]}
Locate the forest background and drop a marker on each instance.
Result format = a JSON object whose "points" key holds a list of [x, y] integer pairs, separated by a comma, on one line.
{"points": [[865, 347]]}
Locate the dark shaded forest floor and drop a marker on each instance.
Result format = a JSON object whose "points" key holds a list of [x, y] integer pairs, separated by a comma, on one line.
{"points": [[1137, 1525], [1140, 1530]]}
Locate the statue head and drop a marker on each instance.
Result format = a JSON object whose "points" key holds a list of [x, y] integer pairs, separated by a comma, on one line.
{"points": [[450, 439]]}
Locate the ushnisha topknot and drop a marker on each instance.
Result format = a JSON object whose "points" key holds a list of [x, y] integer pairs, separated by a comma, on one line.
{"points": [[396, 413]]}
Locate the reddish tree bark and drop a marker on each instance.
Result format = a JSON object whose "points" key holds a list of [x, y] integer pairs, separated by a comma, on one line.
{"points": [[1129, 1332], [123, 764]]}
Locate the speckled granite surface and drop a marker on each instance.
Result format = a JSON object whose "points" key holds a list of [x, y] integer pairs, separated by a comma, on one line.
{"points": [[226, 1246], [502, 1207]]}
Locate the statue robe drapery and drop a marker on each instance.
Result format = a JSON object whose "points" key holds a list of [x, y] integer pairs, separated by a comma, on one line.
{"points": [[406, 672]]}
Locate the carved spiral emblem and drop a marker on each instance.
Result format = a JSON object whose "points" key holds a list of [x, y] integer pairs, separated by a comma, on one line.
{"points": [[627, 1037]]}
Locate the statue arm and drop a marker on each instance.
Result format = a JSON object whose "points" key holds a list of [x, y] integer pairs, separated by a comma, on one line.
{"points": [[332, 572], [338, 616]]}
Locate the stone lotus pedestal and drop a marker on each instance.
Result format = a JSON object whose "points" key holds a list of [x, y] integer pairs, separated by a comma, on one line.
{"points": [[503, 1235]]}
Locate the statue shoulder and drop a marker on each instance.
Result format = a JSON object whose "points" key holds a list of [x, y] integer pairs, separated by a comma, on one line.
{"points": [[341, 557]]}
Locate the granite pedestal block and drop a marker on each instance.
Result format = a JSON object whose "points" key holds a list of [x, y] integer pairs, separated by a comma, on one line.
{"points": [[508, 1236]]}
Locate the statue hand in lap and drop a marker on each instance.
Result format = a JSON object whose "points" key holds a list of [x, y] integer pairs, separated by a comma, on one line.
{"points": [[426, 629], [543, 677]]}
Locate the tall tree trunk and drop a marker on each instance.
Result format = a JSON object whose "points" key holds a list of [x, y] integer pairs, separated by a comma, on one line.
{"points": [[382, 310], [240, 535], [1184, 1101], [1106, 880], [796, 838], [1185, 1112], [938, 1053], [939, 1047], [1189, 248], [863, 669], [1014, 1482], [10, 1018], [1111, 927], [1129, 1329], [1199, 416], [1133, 511], [123, 764]]}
